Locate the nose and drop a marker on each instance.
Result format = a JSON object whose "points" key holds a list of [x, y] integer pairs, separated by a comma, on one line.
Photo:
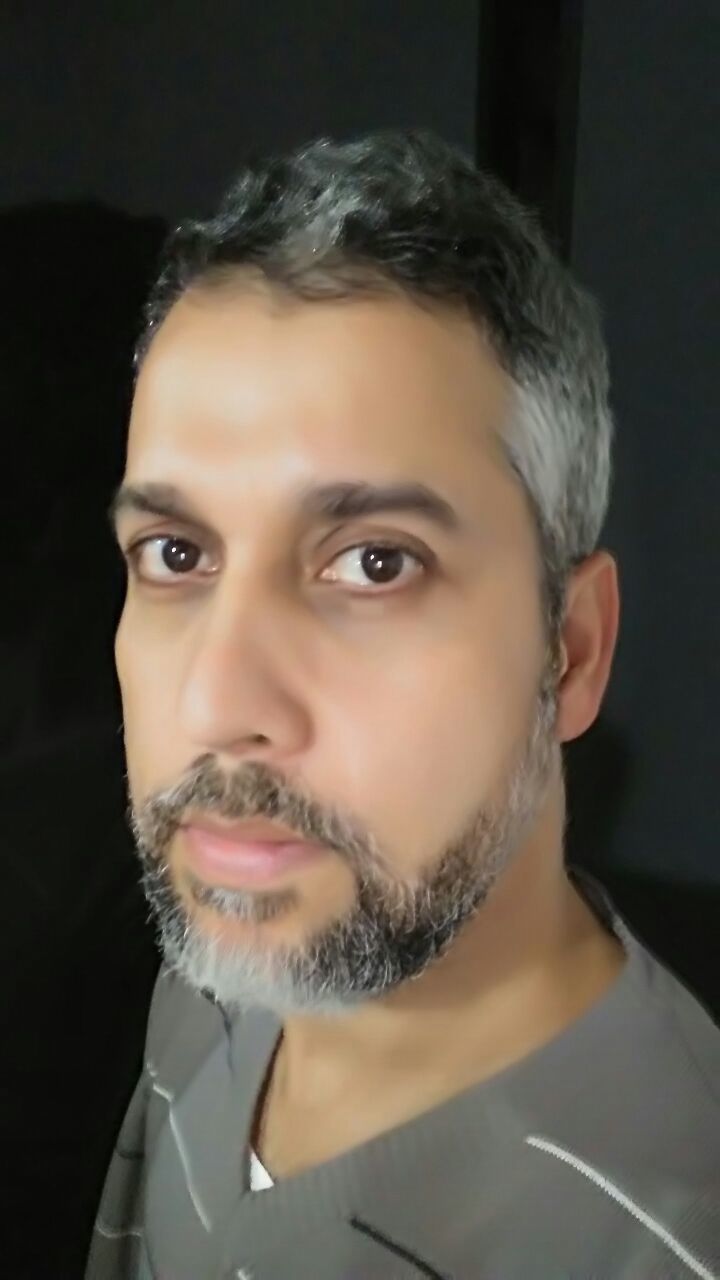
{"points": [[238, 695]]}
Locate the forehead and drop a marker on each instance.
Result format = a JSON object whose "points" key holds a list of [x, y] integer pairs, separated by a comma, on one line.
{"points": [[240, 387]]}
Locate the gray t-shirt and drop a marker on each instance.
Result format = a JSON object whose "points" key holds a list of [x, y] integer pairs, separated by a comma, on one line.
{"points": [[597, 1157]]}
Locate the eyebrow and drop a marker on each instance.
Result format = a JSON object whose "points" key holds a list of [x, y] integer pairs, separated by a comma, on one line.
{"points": [[340, 500]]}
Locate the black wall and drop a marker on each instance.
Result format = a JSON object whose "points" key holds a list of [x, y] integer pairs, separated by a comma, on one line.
{"points": [[149, 107], [646, 213]]}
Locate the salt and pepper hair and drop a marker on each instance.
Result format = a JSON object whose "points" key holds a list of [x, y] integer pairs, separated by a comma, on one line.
{"points": [[401, 210]]}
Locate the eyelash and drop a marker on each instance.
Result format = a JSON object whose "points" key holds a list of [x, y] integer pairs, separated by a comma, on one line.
{"points": [[132, 555]]}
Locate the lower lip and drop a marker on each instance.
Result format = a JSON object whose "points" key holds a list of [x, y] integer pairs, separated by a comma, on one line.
{"points": [[253, 862]]}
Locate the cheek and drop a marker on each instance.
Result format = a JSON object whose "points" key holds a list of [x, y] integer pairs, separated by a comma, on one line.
{"points": [[431, 742]]}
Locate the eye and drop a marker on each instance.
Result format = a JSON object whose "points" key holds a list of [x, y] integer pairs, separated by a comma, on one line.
{"points": [[380, 562], [162, 558]]}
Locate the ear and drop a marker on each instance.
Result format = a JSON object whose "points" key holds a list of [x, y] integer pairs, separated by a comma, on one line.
{"points": [[588, 639]]}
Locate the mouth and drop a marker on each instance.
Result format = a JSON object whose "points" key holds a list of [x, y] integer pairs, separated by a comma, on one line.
{"points": [[235, 856]]}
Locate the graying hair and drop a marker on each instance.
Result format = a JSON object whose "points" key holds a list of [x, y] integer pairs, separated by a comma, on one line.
{"points": [[401, 209]]}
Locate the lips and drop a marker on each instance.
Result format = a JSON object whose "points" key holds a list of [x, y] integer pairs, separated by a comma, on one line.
{"points": [[261, 830], [245, 853]]}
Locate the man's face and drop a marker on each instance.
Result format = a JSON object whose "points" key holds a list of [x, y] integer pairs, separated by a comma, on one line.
{"points": [[377, 683]]}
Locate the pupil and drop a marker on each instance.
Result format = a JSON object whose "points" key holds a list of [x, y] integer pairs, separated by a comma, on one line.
{"points": [[382, 564], [180, 556]]}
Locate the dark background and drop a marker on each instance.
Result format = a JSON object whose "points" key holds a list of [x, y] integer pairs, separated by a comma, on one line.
{"points": [[119, 119]]}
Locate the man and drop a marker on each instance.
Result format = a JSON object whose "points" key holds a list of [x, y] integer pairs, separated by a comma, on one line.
{"points": [[393, 1036]]}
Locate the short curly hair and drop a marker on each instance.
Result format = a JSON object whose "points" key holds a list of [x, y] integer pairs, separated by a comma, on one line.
{"points": [[402, 209]]}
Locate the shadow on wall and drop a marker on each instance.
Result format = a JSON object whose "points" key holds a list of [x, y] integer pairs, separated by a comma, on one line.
{"points": [[74, 281], [79, 959], [77, 945]]}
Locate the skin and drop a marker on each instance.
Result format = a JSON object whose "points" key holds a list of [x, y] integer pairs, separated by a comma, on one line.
{"points": [[402, 704]]}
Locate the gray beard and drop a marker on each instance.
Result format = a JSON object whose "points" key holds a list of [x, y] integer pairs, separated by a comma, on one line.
{"points": [[394, 931]]}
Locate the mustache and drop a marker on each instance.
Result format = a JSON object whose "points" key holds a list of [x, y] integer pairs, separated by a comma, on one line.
{"points": [[253, 791]]}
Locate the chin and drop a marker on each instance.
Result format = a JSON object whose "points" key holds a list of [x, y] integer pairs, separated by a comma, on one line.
{"points": [[263, 920]]}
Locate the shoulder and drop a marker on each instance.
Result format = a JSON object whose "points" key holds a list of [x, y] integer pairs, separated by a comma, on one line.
{"points": [[680, 1037], [658, 1035]]}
